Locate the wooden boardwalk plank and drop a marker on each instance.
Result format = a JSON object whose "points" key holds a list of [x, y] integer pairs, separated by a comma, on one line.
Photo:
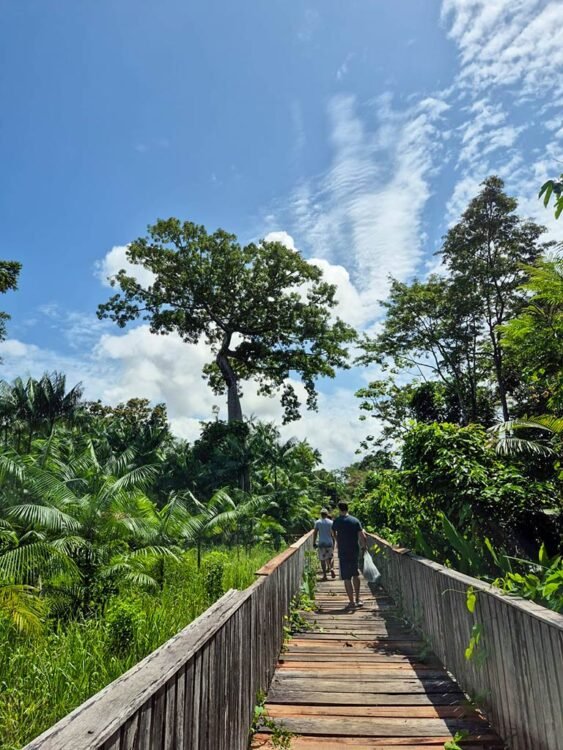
{"points": [[263, 742], [362, 679]]}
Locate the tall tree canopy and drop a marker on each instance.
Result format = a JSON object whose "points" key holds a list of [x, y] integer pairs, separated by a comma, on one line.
{"points": [[264, 311], [9, 272], [451, 328], [485, 253]]}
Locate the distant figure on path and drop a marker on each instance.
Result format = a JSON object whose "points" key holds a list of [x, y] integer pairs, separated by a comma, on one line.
{"points": [[350, 537], [323, 532]]}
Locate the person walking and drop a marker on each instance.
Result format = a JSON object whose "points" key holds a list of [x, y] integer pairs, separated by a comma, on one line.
{"points": [[349, 537], [324, 545]]}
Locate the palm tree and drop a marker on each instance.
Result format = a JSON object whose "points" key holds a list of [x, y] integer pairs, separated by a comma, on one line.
{"points": [[220, 515], [548, 442], [36, 405], [84, 523]]}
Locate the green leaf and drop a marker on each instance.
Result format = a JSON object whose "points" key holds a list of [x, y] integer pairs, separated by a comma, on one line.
{"points": [[471, 599]]}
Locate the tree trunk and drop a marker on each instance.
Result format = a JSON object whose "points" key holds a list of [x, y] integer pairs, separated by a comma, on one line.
{"points": [[497, 358], [234, 409]]}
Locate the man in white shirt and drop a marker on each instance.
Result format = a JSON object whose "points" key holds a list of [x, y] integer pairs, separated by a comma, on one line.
{"points": [[325, 543]]}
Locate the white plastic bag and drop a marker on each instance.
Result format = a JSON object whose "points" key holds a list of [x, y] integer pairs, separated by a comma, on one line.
{"points": [[370, 571]]}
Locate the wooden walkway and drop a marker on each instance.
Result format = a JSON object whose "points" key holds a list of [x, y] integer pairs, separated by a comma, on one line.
{"points": [[363, 680]]}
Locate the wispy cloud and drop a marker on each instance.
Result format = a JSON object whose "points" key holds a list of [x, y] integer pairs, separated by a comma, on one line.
{"points": [[508, 43], [366, 211], [342, 71], [510, 53]]}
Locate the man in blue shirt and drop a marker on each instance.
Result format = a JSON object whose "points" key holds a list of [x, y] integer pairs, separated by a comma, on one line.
{"points": [[350, 537]]}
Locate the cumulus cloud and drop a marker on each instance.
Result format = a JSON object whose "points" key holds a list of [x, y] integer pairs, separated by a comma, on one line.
{"points": [[116, 259], [349, 303], [164, 368], [283, 237]]}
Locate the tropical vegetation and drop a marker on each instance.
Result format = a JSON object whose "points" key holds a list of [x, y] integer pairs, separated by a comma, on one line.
{"points": [[114, 533]]}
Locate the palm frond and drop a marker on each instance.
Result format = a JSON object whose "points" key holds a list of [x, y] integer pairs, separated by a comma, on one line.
{"points": [[21, 605], [45, 516]]}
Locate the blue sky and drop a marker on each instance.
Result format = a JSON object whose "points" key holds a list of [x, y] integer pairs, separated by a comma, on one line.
{"points": [[359, 129]]}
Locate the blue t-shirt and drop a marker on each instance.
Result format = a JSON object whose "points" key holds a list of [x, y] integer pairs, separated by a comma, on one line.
{"points": [[347, 529]]}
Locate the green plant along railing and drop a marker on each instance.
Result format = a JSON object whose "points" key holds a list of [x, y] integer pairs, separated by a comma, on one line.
{"points": [[505, 652], [199, 689]]}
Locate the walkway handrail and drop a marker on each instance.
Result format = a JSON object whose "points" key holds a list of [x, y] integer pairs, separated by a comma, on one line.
{"points": [[516, 674], [198, 690]]}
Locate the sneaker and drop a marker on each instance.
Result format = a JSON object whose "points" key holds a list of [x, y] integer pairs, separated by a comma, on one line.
{"points": [[333, 574], [359, 603]]}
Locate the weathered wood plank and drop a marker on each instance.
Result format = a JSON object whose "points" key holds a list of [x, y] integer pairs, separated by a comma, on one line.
{"points": [[363, 672], [145, 719], [312, 698], [379, 726], [263, 742], [158, 718], [425, 712], [130, 733], [170, 716], [519, 681], [366, 685]]}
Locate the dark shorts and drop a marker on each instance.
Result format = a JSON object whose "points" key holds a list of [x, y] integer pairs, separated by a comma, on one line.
{"points": [[348, 568]]}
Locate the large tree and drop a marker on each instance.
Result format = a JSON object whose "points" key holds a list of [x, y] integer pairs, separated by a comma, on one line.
{"points": [[533, 340], [430, 328], [264, 311], [485, 253], [9, 272]]}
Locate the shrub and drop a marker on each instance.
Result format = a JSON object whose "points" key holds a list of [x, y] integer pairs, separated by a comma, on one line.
{"points": [[123, 620], [213, 570]]}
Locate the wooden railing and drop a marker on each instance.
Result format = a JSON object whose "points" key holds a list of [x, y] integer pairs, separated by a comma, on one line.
{"points": [[516, 673], [198, 690]]}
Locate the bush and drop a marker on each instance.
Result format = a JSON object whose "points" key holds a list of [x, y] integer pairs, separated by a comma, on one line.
{"points": [[123, 619], [455, 468], [387, 506], [213, 571]]}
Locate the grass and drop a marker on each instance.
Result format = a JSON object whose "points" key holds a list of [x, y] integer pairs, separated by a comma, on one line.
{"points": [[44, 677]]}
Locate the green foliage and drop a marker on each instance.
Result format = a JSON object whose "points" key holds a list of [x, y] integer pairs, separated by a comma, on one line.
{"points": [[47, 675], [310, 575], [458, 737], [474, 650], [534, 340], [542, 582], [455, 468], [553, 188], [294, 622], [280, 737], [122, 622], [385, 504], [9, 272], [213, 571]]}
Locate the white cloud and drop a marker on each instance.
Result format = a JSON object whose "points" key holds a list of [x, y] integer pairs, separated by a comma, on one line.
{"points": [[114, 261], [164, 368], [508, 43], [349, 303], [510, 53], [342, 71], [283, 237], [365, 213]]}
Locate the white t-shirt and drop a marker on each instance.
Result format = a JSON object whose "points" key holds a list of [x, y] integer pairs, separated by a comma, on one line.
{"points": [[324, 527]]}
